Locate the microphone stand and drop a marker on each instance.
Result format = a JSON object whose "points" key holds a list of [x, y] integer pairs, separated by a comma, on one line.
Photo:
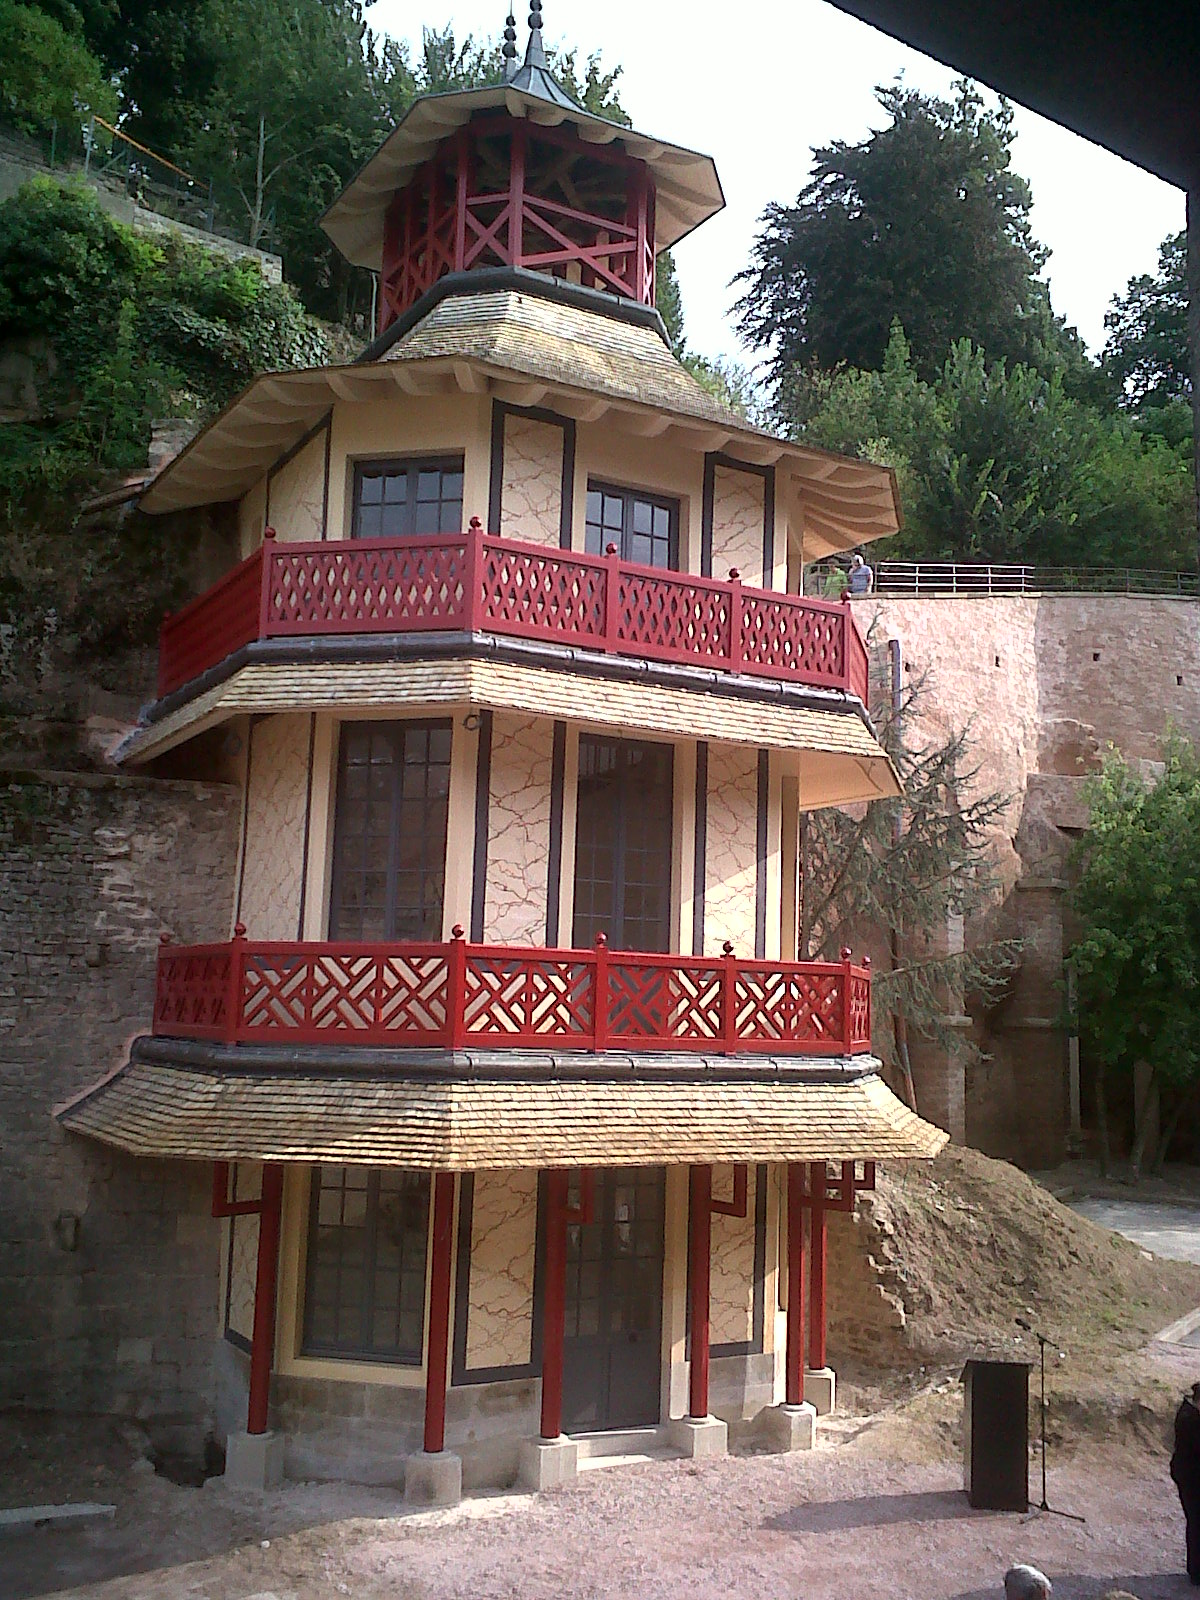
{"points": [[1045, 1509]]}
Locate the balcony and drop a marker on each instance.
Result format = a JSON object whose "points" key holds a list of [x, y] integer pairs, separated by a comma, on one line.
{"points": [[457, 996], [479, 583]]}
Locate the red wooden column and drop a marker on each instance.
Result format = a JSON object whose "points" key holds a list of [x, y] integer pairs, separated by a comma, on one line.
{"points": [[554, 1298], [816, 1270], [439, 1313], [699, 1273], [262, 1345], [794, 1389]]}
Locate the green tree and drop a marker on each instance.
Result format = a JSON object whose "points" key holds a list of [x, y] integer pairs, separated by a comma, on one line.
{"points": [[47, 72], [1002, 465], [924, 221], [1137, 960], [1146, 354]]}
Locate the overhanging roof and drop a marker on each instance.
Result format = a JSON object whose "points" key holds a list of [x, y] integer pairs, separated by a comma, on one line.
{"points": [[1125, 76], [687, 187]]}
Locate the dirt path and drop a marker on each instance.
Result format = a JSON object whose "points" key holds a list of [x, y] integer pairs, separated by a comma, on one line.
{"points": [[852, 1519]]}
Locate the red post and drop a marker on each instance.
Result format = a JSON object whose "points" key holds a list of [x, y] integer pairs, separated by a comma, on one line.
{"points": [[612, 599], [794, 1392], [265, 582], [516, 196], [847, 1003], [736, 604], [456, 988], [729, 1036], [262, 1345], [600, 994], [554, 1300], [439, 1313], [460, 200], [233, 1001], [816, 1270], [700, 1269], [474, 609]]}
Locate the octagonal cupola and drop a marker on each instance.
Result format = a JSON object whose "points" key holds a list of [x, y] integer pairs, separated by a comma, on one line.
{"points": [[518, 176]]}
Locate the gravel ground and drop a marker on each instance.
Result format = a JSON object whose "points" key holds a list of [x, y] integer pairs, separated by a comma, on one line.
{"points": [[853, 1518]]}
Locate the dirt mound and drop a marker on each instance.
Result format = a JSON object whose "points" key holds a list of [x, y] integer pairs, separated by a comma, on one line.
{"points": [[966, 1244]]}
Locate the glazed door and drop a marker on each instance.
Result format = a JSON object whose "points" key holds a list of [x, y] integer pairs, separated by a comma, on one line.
{"points": [[612, 1355], [623, 840]]}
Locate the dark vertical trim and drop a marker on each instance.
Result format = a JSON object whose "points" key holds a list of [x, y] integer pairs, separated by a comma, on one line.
{"points": [[567, 508], [483, 785], [700, 848], [462, 1277], [312, 741], [768, 560], [760, 876], [250, 727], [496, 467], [461, 1376], [706, 513], [558, 775], [328, 460]]}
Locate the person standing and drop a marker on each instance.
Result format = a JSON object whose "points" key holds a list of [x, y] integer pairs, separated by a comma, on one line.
{"points": [[862, 577], [1185, 1470]]}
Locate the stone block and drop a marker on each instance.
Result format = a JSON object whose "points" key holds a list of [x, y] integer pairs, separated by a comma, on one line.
{"points": [[820, 1389], [254, 1461], [546, 1463], [700, 1437], [789, 1428], [433, 1479]]}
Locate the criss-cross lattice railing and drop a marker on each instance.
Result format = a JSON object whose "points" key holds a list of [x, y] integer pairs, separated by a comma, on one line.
{"points": [[457, 994], [479, 583]]}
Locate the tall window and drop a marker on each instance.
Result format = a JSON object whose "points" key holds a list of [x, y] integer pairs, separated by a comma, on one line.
{"points": [[644, 527], [365, 1281], [389, 836], [397, 499], [623, 844]]}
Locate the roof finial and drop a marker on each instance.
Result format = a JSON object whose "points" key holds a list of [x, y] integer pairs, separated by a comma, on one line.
{"points": [[509, 51], [535, 56]]}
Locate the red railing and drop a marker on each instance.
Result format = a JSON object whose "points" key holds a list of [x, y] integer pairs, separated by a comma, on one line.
{"points": [[479, 583], [456, 994]]}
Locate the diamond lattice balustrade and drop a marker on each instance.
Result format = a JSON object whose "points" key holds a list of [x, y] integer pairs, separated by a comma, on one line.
{"points": [[457, 994], [478, 583]]}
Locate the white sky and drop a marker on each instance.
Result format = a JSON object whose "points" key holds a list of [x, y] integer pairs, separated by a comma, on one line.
{"points": [[756, 88]]}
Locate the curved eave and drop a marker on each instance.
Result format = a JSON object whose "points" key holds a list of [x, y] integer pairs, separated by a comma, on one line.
{"points": [[845, 502], [688, 188]]}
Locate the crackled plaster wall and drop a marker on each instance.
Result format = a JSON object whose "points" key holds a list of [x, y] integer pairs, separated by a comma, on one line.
{"points": [[276, 803], [731, 1291], [737, 530], [241, 1252], [731, 849], [503, 1253], [296, 493], [252, 517], [531, 494], [518, 830]]}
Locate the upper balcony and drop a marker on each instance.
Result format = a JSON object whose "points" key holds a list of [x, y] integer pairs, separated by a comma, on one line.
{"points": [[458, 995], [480, 583]]}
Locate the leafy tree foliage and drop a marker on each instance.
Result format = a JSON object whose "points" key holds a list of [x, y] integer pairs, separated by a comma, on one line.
{"points": [[1137, 961], [1003, 465], [47, 72], [1146, 355], [924, 222]]}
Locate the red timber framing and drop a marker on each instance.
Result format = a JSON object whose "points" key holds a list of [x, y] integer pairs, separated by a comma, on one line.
{"points": [[438, 1341], [699, 1277], [268, 1209], [819, 1195], [502, 193], [481, 583], [457, 994]]}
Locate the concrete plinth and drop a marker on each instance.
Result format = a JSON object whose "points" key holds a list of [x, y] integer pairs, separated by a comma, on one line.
{"points": [[254, 1460], [699, 1437], [791, 1427], [433, 1479], [546, 1463], [820, 1389]]}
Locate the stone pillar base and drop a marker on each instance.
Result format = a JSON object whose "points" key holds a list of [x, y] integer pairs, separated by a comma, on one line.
{"points": [[254, 1460], [699, 1437], [547, 1463], [433, 1479], [820, 1389], [791, 1427]]}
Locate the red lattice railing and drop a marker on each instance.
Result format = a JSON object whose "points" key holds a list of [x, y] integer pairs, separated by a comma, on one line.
{"points": [[458, 994], [476, 582]]}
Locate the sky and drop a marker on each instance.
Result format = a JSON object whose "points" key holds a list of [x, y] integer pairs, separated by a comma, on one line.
{"points": [[757, 88]]}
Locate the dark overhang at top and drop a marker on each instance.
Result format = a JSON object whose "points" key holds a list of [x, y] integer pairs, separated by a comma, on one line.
{"points": [[1123, 74]]}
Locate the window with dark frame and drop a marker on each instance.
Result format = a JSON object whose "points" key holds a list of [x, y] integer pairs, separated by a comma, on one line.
{"points": [[364, 1290], [644, 527], [389, 831], [405, 498], [623, 844]]}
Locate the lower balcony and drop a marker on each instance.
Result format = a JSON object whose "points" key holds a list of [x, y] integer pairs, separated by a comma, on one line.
{"points": [[458, 995]]}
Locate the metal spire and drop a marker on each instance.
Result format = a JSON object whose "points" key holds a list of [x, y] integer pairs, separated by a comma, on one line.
{"points": [[509, 51], [533, 75], [535, 55]]}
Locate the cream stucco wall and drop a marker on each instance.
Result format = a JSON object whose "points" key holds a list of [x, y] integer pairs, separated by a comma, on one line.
{"points": [[737, 535], [731, 1286], [731, 850], [518, 830], [503, 1254], [276, 801], [296, 493], [241, 1251], [252, 517], [531, 490]]}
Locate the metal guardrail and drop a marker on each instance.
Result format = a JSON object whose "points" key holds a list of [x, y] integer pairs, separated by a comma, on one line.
{"points": [[990, 578]]}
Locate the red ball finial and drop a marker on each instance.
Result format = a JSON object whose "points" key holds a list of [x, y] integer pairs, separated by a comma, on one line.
{"points": [[239, 930], [734, 574], [601, 941], [727, 948], [475, 525], [457, 931], [268, 533], [846, 952]]}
